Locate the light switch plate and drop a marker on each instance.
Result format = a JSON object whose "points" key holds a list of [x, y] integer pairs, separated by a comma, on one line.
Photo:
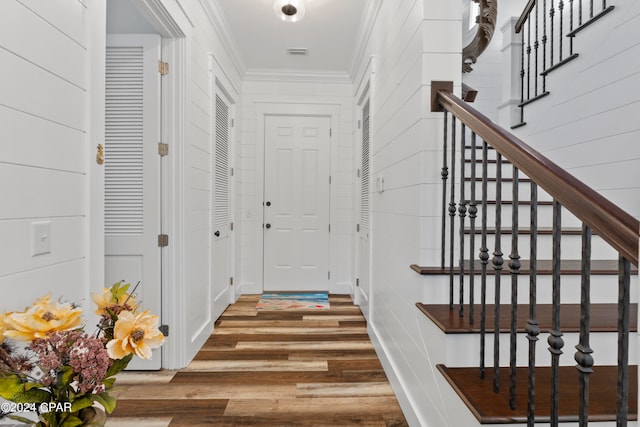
{"points": [[40, 238]]}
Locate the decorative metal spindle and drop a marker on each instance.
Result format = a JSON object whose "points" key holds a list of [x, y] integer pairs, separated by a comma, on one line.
{"points": [[561, 34], [462, 211], [571, 26], [445, 175], [536, 45], [590, 9], [514, 265], [532, 328], [452, 209], [555, 335], [552, 13], [522, 83], [544, 45], [624, 282], [497, 266], [580, 13], [473, 211], [583, 355], [535, 77], [484, 260]]}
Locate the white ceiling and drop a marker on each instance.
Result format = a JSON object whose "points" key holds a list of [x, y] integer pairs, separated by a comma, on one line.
{"points": [[328, 30]]}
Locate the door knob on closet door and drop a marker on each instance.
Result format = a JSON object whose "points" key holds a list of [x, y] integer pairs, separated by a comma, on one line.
{"points": [[268, 203], [267, 226], [217, 233]]}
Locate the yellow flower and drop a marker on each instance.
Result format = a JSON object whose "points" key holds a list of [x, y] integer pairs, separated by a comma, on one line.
{"points": [[136, 334], [107, 299], [43, 318]]}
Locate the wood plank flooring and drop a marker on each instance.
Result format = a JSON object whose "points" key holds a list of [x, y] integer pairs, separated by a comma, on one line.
{"points": [[269, 368]]}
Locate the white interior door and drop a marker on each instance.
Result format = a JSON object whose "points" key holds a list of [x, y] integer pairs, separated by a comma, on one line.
{"points": [[364, 223], [221, 234], [296, 203], [132, 170]]}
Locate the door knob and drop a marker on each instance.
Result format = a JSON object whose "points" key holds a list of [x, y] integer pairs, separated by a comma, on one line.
{"points": [[267, 226], [268, 203], [217, 233]]}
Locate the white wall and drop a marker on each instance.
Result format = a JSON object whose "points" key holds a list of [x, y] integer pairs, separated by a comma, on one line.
{"points": [[304, 94], [414, 42], [46, 147], [589, 123]]}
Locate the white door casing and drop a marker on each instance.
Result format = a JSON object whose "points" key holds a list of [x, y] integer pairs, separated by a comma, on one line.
{"points": [[221, 209], [132, 171], [296, 203]]}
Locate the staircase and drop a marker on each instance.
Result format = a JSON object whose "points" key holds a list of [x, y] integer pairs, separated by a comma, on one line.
{"points": [[566, 277]]}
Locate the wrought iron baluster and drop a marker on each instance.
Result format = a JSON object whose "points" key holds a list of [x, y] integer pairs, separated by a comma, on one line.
{"points": [[452, 210], [544, 45], [473, 211], [552, 13], [590, 9], [445, 175], [497, 266], [555, 335], [571, 26], [560, 33], [535, 78], [536, 46], [532, 328], [580, 13], [624, 282], [583, 355], [514, 265], [462, 211], [522, 82], [484, 260]]}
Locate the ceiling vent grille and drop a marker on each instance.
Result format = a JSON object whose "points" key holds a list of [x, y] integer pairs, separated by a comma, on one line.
{"points": [[298, 51]]}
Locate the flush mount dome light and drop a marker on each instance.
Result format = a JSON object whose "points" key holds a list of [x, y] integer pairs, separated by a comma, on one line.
{"points": [[289, 10]]}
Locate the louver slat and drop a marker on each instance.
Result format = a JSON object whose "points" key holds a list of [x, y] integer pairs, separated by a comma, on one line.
{"points": [[364, 193], [123, 142], [221, 183]]}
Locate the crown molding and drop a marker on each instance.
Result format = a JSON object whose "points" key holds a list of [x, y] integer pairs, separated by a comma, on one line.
{"points": [[219, 24], [369, 18], [290, 75]]}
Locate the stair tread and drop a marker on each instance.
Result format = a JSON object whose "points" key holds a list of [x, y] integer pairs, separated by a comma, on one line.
{"points": [[604, 317], [567, 231], [568, 267], [493, 408], [510, 202]]}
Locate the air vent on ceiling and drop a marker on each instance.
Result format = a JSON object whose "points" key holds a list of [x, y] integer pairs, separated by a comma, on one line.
{"points": [[298, 50]]}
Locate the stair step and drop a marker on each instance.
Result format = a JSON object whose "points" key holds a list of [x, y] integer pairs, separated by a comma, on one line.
{"points": [[510, 202], [604, 317], [493, 408], [566, 231], [568, 267]]}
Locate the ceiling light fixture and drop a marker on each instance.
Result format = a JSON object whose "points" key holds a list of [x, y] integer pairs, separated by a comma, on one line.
{"points": [[289, 10]]}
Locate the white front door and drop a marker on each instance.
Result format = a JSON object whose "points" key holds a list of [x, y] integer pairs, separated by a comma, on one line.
{"points": [[132, 171], [221, 236], [296, 203]]}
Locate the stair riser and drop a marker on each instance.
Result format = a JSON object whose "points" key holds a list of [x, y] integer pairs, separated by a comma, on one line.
{"points": [[604, 289], [463, 350], [570, 246]]}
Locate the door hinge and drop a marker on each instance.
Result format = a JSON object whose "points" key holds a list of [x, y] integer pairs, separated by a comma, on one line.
{"points": [[329, 275], [163, 149], [359, 124], [357, 228], [329, 228], [330, 132], [231, 226], [358, 173], [163, 68], [231, 171], [233, 122], [163, 240], [329, 179], [231, 281], [357, 282], [164, 329]]}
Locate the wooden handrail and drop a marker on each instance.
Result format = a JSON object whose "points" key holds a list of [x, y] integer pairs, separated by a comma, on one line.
{"points": [[615, 226], [525, 15]]}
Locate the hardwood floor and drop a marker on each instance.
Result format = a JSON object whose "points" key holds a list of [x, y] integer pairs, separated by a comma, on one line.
{"points": [[269, 368]]}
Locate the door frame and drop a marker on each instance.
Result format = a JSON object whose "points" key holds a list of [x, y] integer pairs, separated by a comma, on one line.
{"points": [[264, 109]]}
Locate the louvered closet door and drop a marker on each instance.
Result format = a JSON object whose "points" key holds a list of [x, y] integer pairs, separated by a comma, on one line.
{"points": [[132, 170], [221, 239], [365, 192]]}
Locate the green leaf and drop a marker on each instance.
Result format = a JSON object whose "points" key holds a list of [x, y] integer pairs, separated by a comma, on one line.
{"points": [[64, 377], [10, 386], [21, 419], [107, 402], [83, 402], [72, 421], [35, 395], [118, 365], [109, 382]]}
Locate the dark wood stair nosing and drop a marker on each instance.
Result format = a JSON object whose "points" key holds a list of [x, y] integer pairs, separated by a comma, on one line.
{"points": [[493, 408], [568, 267], [603, 317]]}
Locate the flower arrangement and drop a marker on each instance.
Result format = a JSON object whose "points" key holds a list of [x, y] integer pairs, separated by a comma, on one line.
{"points": [[63, 374]]}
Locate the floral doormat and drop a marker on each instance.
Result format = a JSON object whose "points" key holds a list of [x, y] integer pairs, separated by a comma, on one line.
{"points": [[294, 301]]}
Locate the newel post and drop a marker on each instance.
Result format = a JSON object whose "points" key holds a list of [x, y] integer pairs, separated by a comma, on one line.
{"points": [[508, 110]]}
